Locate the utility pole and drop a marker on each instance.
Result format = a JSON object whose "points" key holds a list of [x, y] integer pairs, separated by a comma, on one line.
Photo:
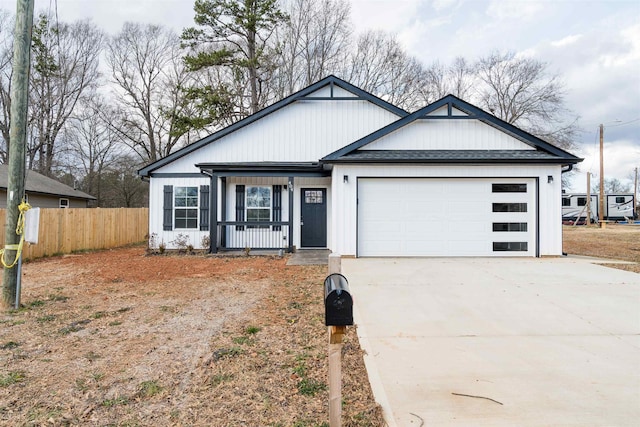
{"points": [[635, 193], [17, 141], [601, 206], [588, 222]]}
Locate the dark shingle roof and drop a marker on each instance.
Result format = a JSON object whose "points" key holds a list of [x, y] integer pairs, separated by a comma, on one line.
{"points": [[448, 156], [37, 183]]}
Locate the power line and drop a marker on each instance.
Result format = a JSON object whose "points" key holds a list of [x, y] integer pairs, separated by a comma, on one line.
{"points": [[625, 123]]}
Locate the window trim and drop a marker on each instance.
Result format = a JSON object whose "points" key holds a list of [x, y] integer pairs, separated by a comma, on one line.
{"points": [[60, 205], [186, 208]]}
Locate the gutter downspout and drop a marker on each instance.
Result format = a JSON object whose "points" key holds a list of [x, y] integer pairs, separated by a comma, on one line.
{"points": [[569, 169]]}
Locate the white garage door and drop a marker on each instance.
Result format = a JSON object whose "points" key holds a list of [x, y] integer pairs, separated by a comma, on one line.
{"points": [[446, 217]]}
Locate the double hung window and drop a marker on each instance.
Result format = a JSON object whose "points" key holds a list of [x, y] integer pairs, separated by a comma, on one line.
{"points": [[186, 207], [258, 205]]}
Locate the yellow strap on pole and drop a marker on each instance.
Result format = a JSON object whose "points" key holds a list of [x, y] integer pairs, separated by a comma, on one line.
{"points": [[23, 208]]}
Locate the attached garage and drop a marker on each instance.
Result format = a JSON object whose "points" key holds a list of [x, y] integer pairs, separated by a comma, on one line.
{"points": [[448, 180], [446, 217]]}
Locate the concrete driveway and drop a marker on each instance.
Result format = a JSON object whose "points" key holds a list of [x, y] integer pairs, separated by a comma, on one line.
{"points": [[499, 342]]}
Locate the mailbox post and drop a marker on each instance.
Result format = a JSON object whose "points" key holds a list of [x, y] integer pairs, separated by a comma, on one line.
{"points": [[338, 313]]}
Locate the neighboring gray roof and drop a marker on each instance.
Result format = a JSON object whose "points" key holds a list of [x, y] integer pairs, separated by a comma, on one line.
{"points": [[447, 156], [37, 183], [561, 156], [300, 95]]}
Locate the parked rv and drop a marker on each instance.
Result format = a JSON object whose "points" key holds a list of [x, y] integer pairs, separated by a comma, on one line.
{"points": [[617, 207]]}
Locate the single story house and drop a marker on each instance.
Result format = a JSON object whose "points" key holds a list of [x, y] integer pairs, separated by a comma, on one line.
{"points": [[44, 192], [335, 167]]}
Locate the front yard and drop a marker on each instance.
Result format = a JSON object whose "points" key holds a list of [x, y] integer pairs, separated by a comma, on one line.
{"points": [[120, 338], [124, 339]]}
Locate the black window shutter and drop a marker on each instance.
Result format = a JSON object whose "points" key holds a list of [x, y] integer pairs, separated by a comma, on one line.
{"points": [[239, 206], [167, 219], [204, 207], [277, 206]]}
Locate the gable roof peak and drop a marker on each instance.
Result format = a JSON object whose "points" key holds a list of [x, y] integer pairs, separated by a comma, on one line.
{"points": [[473, 112], [301, 94]]}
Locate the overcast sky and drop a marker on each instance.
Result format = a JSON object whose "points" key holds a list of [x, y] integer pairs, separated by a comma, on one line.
{"points": [[593, 45]]}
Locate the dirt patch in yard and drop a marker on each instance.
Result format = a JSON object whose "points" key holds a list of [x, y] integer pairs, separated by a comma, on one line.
{"points": [[121, 338], [617, 242]]}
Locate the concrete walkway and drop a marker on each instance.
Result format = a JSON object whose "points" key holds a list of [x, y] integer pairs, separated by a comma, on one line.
{"points": [[309, 257], [499, 342]]}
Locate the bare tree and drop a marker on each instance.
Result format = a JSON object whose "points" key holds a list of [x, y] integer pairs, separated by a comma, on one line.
{"points": [[436, 81], [94, 145], [379, 65], [612, 186], [313, 44], [460, 78], [121, 185], [64, 70], [6, 58], [518, 90], [147, 69]]}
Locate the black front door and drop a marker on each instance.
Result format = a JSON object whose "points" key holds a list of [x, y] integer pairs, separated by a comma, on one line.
{"points": [[313, 218]]}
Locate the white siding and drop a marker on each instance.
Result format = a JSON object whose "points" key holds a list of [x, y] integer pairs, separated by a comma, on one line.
{"points": [[445, 134], [156, 200], [304, 131], [344, 212]]}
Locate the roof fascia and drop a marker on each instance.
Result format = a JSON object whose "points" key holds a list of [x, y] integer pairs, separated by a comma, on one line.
{"points": [[558, 161], [301, 94]]}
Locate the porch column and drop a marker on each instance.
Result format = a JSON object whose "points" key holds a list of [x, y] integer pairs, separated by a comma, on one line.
{"points": [[213, 214], [290, 191], [223, 210]]}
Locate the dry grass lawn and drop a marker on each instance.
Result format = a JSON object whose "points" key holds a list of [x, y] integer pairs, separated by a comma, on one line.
{"points": [[119, 338], [616, 242]]}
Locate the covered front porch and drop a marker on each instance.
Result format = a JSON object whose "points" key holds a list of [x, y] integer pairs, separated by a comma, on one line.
{"points": [[267, 206]]}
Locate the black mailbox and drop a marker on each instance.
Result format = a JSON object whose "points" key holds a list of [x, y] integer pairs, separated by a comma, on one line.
{"points": [[338, 304]]}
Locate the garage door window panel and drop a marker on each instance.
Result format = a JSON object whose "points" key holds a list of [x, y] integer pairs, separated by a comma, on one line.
{"points": [[510, 226], [509, 207], [510, 246], [509, 188]]}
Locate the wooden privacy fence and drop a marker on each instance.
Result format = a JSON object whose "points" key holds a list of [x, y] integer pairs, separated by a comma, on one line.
{"points": [[63, 231]]}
